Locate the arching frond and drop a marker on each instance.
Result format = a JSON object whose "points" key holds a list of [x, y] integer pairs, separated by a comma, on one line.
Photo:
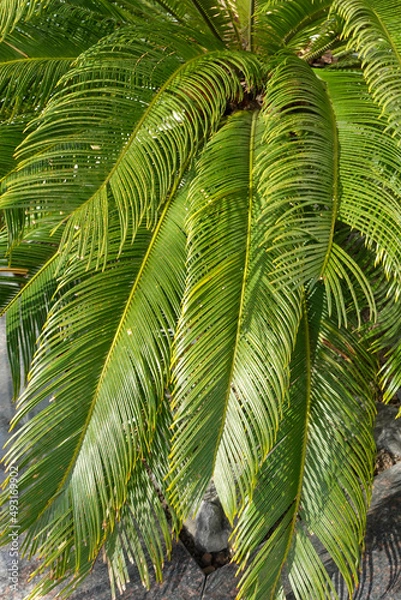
{"points": [[370, 166], [27, 83], [316, 481], [37, 53], [344, 281], [10, 279], [299, 173], [324, 38], [200, 263], [136, 132], [282, 23], [235, 335], [218, 19], [101, 368], [384, 339], [141, 535], [374, 30], [221, 18], [17, 16], [143, 512], [12, 11]]}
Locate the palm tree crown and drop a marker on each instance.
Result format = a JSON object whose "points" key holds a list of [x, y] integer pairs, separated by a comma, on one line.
{"points": [[200, 265]]}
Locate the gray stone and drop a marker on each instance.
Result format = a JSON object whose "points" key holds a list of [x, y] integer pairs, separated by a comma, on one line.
{"points": [[388, 429], [209, 528], [212, 530]]}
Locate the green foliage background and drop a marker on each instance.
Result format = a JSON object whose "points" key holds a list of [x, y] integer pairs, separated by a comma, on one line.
{"points": [[200, 264]]}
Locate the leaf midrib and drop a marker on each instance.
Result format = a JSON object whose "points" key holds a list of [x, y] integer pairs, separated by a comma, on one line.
{"points": [[33, 59], [336, 186]]}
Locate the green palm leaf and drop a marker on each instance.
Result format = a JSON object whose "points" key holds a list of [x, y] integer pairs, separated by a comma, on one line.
{"points": [[29, 302], [142, 514], [11, 279], [129, 326], [281, 23], [316, 480], [11, 135], [299, 173], [200, 264], [132, 152], [348, 289], [20, 16], [221, 18], [370, 163], [384, 339], [140, 534], [374, 31], [35, 55], [12, 11], [27, 83], [235, 335]]}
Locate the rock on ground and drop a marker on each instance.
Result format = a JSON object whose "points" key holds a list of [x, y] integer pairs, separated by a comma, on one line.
{"points": [[388, 429]]}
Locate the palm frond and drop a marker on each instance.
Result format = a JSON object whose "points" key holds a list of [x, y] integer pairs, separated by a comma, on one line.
{"points": [[37, 53], [288, 23], [221, 18], [245, 15], [235, 336], [12, 11], [10, 279], [210, 17], [27, 83], [370, 164], [386, 342], [120, 13], [140, 536], [11, 221], [136, 132], [323, 39], [315, 484], [65, 28], [299, 173], [347, 285], [143, 513], [27, 284], [383, 339], [101, 366], [28, 306], [201, 269], [374, 31]]}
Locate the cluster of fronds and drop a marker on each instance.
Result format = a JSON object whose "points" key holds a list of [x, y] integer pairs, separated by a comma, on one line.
{"points": [[200, 241]]}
